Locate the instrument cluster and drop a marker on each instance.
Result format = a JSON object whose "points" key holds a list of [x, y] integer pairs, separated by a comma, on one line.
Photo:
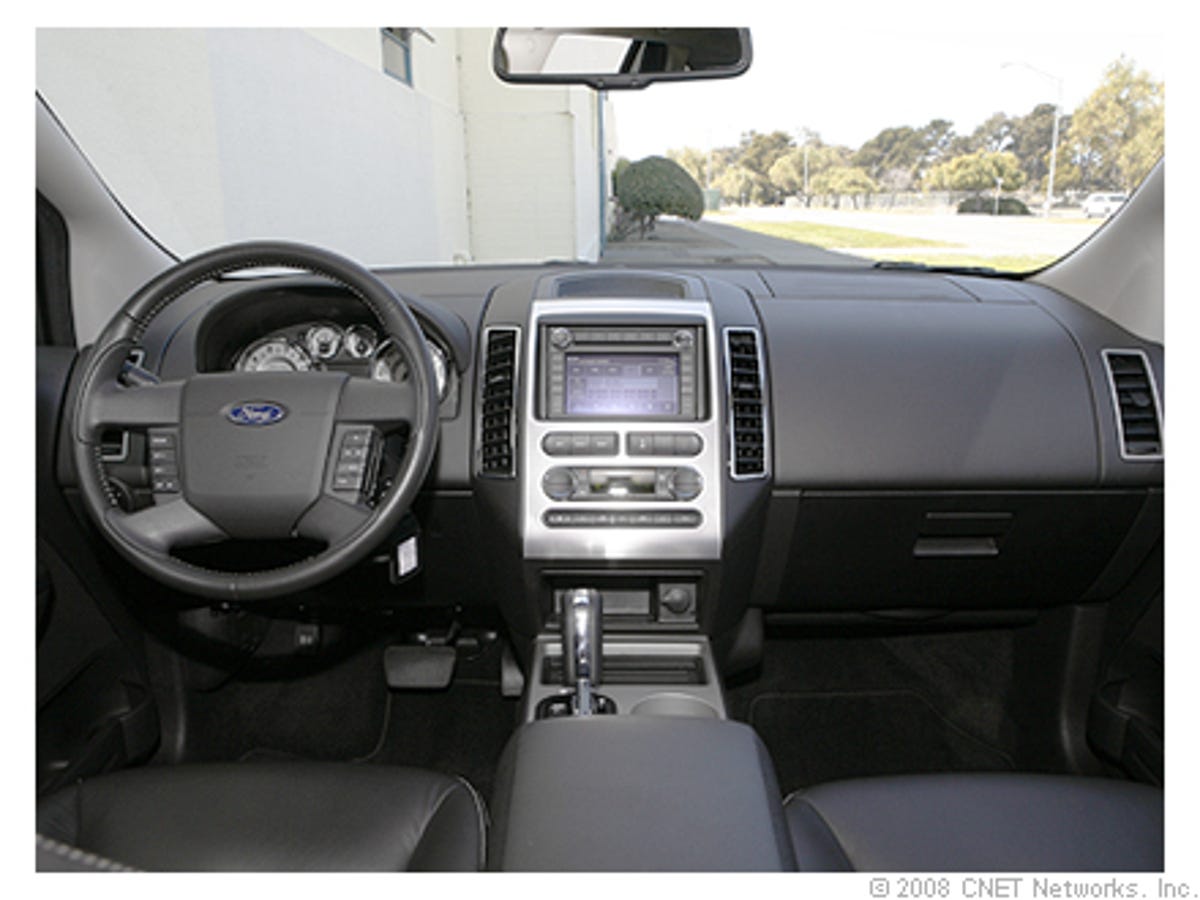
{"points": [[357, 349]]}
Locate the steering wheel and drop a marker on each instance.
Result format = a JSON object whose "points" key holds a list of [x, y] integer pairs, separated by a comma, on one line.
{"points": [[261, 455]]}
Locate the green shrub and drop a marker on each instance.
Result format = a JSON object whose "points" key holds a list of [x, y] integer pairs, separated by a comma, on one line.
{"points": [[1009, 206], [653, 187]]}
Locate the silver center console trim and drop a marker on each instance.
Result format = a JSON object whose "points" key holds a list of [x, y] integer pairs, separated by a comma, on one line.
{"points": [[659, 542], [704, 700]]}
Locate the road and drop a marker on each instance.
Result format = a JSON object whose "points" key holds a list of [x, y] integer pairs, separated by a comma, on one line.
{"points": [[678, 242]]}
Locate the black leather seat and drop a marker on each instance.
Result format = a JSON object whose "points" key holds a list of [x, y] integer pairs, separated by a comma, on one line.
{"points": [[978, 822], [264, 817]]}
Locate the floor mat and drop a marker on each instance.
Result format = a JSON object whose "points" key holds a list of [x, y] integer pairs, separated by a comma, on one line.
{"points": [[817, 737], [461, 731]]}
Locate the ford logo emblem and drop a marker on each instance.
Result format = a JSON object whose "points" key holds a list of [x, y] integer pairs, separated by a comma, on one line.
{"points": [[255, 412]]}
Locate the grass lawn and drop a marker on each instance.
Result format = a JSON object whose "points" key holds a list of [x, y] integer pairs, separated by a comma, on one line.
{"points": [[836, 237]]}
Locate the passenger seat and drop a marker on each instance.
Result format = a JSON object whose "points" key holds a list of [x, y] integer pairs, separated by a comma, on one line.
{"points": [[978, 822]]}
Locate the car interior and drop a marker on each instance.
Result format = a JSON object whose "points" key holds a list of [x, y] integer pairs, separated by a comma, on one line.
{"points": [[586, 566]]}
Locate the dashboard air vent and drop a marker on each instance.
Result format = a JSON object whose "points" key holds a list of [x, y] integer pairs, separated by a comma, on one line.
{"points": [[748, 451], [497, 403], [1135, 400]]}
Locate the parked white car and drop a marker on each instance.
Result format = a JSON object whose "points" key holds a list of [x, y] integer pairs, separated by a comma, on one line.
{"points": [[1103, 205]]}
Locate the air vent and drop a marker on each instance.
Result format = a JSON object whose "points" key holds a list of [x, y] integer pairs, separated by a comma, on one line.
{"points": [[1135, 399], [748, 449], [497, 403]]}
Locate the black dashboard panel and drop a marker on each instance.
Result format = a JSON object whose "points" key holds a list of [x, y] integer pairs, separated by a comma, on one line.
{"points": [[937, 442], [902, 393]]}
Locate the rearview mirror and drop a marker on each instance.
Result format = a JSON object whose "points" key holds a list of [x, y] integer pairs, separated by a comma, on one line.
{"points": [[619, 58]]}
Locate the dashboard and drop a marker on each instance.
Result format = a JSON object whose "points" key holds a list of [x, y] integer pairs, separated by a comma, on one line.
{"points": [[697, 442]]}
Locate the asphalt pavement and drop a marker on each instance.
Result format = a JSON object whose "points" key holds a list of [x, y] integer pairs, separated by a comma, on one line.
{"points": [[698, 243]]}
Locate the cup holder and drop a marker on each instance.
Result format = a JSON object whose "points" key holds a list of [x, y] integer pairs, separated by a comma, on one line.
{"points": [[674, 704], [558, 706]]}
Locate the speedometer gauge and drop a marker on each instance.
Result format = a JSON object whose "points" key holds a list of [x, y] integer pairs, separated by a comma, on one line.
{"points": [[360, 341], [275, 354], [390, 365], [323, 341]]}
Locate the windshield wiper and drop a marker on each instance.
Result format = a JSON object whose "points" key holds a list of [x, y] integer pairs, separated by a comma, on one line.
{"points": [[906, 266]]}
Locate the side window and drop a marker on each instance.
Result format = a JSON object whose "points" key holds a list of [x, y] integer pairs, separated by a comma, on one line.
{"points": [[397, 53]]}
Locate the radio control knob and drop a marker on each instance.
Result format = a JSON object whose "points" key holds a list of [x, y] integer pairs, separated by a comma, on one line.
{"points": [[560, 338], [682, 339], [685, 484], [677, 600], [558, 483]]}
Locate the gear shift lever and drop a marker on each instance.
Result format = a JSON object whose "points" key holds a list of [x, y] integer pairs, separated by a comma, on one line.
{"points": [[582, 646]]}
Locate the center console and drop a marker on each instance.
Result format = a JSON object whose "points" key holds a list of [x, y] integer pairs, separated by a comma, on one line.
{"points": [[637, 793], [622, 452], [623, 459]]}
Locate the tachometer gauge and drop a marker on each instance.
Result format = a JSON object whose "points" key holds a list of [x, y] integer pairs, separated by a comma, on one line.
{"points": [[360, 341], [276, 354], [390, 365], [323, 341]]}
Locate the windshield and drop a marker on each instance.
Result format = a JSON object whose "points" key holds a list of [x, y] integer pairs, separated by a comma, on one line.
{"points": [[399, 146]]}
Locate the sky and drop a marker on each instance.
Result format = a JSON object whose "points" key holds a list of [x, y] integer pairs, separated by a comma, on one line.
{"points": [[851, 86]]}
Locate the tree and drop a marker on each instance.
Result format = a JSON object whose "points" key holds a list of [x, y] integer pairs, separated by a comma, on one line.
{"points": [[842, 181], [905, 149], [994, 134], [652, 187], [736, 184], [977, 172], [693, 161], [1116, 135], [1031, 135], [758, 152], [787, 174]]}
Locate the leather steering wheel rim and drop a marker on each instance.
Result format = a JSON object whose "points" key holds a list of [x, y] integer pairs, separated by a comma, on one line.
{"points": [[99, 394]]}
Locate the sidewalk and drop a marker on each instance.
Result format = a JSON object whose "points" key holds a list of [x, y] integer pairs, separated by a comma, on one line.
{"points": [[677, 241]]}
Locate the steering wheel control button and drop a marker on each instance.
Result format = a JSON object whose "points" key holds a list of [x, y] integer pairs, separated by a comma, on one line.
{"points": [[165, 485], [164, 461], [347, 482], [355, 455]]}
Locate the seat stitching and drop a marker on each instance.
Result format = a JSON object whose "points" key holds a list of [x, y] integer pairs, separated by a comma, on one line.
{"points": [[481, 815], [829, 828], [81, 856], [438, 808]]}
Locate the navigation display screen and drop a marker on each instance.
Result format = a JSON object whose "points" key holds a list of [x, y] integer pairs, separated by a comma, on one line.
{"points": [[622, 384]]}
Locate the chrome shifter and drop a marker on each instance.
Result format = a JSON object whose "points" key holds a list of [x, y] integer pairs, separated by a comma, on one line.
{"points": [[582, 646]]}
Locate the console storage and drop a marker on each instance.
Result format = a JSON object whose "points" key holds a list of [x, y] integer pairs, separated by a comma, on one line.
{"points": [[637, 793]]}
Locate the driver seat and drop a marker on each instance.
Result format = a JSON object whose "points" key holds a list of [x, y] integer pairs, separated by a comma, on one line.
{"points": [[277, 816]]}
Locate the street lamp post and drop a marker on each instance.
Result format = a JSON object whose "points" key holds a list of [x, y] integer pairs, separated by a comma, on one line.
{"points": [[1054, 130]]}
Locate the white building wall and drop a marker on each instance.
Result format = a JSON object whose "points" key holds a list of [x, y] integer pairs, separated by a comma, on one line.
{"points": [[531, 162], [458, 167], [350, 156]]}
